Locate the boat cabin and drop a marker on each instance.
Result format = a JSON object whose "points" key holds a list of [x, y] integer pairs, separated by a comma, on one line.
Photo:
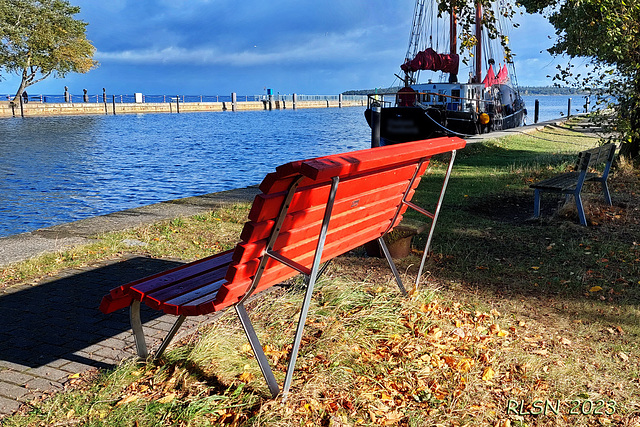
{"points": [[467, 97]]}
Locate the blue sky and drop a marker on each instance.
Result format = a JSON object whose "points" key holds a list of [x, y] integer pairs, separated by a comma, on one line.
{"points": [[215, 47]]}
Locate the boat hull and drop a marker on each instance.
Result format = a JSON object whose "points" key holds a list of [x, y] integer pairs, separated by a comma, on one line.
{"points": [[404, 124]]}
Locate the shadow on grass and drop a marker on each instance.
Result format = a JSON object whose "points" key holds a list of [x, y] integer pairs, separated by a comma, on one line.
{"points": [[485, 237]]}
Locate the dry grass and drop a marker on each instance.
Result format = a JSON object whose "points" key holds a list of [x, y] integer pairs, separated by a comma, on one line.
{"points": [[183, 238]]}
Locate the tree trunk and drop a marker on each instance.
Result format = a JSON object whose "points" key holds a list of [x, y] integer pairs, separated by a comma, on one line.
{"points": [[24, 83]]}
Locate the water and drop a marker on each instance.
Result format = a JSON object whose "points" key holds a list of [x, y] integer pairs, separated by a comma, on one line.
{"points": [[553, 106], [60, 169]]}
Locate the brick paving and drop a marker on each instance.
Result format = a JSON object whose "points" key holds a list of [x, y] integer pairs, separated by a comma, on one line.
{"points": [[53, 329]]}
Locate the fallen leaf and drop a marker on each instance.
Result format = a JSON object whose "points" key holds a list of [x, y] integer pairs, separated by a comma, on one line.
{"points": [[623, 356], [392, 418], [488, 374], [464, 365], [167, 398], [128, 399], [565, 341], [595, 289], [459, 332], [246, 377]]}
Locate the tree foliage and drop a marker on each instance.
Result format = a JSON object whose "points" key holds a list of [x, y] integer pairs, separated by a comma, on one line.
{"points": [[493, 15], [40, 38], [607, 33]]}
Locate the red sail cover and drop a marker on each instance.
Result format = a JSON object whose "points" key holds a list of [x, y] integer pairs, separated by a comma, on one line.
{"points": [[429, 59], [491, 79]]}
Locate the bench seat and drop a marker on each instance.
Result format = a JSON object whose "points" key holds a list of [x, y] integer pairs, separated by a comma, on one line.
{"points": [[565, 182]]}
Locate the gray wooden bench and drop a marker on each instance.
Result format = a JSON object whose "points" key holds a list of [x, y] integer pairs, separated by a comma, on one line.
{"points": [[570, 183]]}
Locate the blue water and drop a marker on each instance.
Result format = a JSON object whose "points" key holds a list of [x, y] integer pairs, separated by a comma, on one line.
{"points": [[60, 169], [553, 106]]}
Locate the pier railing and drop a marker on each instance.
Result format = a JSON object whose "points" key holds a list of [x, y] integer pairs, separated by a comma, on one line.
{"points": [[132, 98]]}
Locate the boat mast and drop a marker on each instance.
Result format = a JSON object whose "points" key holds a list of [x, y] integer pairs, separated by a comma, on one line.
{"points": [[478, 67], [417, 27], [453, 39]]}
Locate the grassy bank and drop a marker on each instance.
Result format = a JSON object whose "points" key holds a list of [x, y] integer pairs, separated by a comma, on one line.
{"points": [[517, 322]]}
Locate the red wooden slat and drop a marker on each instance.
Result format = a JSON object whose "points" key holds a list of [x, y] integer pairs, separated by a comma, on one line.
{"points": [[141, 287], [365, 230], [110, 304], [260, 230], [355, 162], [157, 297], [247, 251], [269, 205], [187, 304]]}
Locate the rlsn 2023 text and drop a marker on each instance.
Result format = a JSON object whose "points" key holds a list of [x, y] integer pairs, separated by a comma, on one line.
{"points": [[557, 407]]}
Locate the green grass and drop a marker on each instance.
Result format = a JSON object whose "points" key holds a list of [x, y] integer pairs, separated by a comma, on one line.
{"points": [[511, 310], [184, 238]]}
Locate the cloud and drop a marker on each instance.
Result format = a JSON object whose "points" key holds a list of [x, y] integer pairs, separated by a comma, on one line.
{"points": [[214, 46], [352, 46]]}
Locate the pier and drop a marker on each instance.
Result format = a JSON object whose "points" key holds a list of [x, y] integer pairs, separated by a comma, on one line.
{"points": [[137, 104]]}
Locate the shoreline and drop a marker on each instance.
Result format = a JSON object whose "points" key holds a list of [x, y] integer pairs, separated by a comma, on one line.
{"points": [[21, 247]]}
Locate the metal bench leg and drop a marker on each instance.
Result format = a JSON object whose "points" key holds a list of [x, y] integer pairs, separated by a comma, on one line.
{"points": [[605, 190], [311, 282], [136, 326], [169, 337], [257, 349], [387, 255], [298, 337], [583, 219], [434, 218], [536, 203]]}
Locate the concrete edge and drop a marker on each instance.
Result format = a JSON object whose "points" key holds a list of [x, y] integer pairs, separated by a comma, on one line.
{"points": [[24, 246]]}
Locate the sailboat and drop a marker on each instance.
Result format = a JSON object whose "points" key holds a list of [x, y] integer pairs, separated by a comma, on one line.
{"points": [[487, 100]]}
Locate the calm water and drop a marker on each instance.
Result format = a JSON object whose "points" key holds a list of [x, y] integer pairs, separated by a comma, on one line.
{"points": [[553, 107], [60, 169]]}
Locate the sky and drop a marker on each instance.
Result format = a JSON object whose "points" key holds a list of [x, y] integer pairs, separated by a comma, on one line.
{"points": [[215, 47]]}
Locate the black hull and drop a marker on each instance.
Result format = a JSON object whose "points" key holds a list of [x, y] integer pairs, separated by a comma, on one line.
{"points": [[404, 124]]}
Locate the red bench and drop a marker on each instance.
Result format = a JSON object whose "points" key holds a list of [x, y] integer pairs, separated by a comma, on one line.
{"points": [[309, 212]]}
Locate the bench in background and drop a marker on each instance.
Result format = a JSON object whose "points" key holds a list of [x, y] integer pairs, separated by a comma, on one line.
{"points": [[571, 183], [309, 212]]}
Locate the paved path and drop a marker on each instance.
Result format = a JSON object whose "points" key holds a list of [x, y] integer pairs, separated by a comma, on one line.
{"points": [[52, 327]]}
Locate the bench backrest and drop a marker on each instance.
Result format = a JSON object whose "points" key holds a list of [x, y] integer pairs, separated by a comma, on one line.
{"points": [[368, 204], [591, 158]]}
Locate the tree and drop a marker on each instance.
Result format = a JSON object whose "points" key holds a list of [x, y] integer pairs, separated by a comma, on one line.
{"points": [[606, 32], [40, 38]]}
